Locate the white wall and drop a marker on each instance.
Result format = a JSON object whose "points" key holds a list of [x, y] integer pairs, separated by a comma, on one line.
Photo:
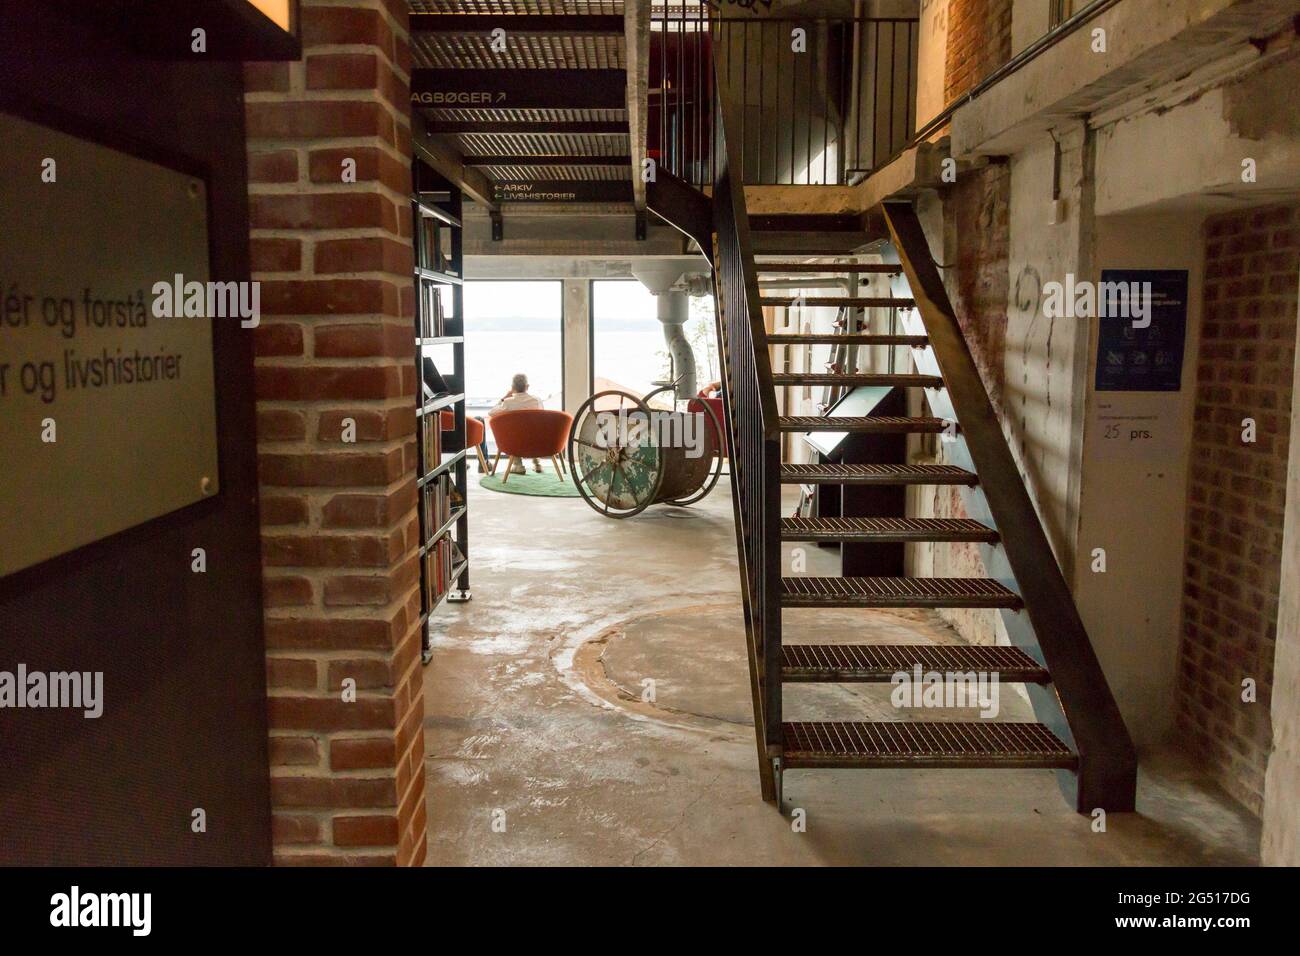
{"points": [[1133, 501], [932, 48], [1193, 151], [1029, 21], [1043, 390]]}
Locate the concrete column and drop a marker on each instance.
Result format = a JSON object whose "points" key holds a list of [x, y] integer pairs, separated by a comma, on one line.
{"points": [[577, 343], [1280, 843]]}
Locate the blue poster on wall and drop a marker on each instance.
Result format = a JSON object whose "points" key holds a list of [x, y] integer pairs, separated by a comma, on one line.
{"points": [[1143, 327]]}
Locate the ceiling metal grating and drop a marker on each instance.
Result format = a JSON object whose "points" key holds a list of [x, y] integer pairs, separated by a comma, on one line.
{"points": [[540, 144], [558, 173], [527, 51], [524, 7], [527, 115]]}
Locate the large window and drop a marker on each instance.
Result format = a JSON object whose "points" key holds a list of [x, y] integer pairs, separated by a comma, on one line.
{"points": [[513, 327], [628, 350]]}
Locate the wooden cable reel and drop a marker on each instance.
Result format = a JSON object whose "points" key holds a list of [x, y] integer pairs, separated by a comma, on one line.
{"points": [[626, 455]]}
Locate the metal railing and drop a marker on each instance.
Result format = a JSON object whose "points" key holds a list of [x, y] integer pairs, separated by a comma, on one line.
{"points": [[819, 101], [754, 435]]}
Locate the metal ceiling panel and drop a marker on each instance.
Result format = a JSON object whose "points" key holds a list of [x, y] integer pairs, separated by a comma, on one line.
{"points": [[539, 144], [558, 173], [527, 115], [522, 51], [607, 7]]}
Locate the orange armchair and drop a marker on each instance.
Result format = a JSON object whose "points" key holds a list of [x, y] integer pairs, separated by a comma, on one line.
{"points": [[473, 434], [530, 433], [706, 397]]}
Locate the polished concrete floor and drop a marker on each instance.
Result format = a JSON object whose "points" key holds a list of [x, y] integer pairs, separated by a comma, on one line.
{"points": [[590, 705]]}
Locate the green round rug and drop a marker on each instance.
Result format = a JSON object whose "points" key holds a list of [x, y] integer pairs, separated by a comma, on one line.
{"points": [[544, 485]]}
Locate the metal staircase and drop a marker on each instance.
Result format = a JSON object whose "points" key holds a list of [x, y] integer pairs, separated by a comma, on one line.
{"points": [[1078, 731]]}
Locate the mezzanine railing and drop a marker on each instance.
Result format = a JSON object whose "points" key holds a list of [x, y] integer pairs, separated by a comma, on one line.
{"points": [[818, 100]]}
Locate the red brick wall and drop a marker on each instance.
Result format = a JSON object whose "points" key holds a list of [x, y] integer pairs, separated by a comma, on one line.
{"points": [[979, 41], [1238, 492], [977, 248], [977, 243], [339, 526], [977, 236]]}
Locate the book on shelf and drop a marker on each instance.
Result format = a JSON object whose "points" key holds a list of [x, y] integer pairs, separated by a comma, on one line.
{"points": [[431, 441], [428, 242], [439, 562], [435, 245], [440, 500], [430, 305]]}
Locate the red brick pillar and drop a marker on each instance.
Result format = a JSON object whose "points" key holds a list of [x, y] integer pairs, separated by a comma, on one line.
{"points": [[339, 527]]}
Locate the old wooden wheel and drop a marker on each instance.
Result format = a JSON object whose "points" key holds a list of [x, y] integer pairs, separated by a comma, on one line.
{"points": [[614, 462]]}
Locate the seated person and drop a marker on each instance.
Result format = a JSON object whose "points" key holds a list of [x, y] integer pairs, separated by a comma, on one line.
{"points": [[517, 398]]}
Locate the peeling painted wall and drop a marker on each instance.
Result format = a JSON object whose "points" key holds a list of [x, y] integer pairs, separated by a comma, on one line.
{"points": [[1046, 358], [968, 226], [1254, 116]]}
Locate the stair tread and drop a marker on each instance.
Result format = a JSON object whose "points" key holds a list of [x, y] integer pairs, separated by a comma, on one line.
{"points": [[861, 423], [886, 529], [810, 591], [884, 268], [905, 743], [880, 662], [904, 379], [831, 473], [825, 301], [844, 338]]}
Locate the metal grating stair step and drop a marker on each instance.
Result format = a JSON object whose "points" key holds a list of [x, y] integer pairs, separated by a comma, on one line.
{"points": [[911, 744], [895, 380], [896, 592], [844, 663], [879, 268], [863, 424], [882, 530], [845, 338], [835, 474]]}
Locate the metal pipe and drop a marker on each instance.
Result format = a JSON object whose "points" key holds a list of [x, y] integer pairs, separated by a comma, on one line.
{"points": [[827, 283], [673, 310]]}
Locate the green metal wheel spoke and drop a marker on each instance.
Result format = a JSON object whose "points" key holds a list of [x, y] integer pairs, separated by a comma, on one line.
{"points": [[590, 476]]}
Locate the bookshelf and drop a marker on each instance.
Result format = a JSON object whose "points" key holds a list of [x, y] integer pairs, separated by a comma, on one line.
{"points": [[440, 368]]}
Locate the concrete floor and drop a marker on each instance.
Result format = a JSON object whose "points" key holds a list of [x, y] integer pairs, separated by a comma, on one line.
{"points": [[540, 750]]}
